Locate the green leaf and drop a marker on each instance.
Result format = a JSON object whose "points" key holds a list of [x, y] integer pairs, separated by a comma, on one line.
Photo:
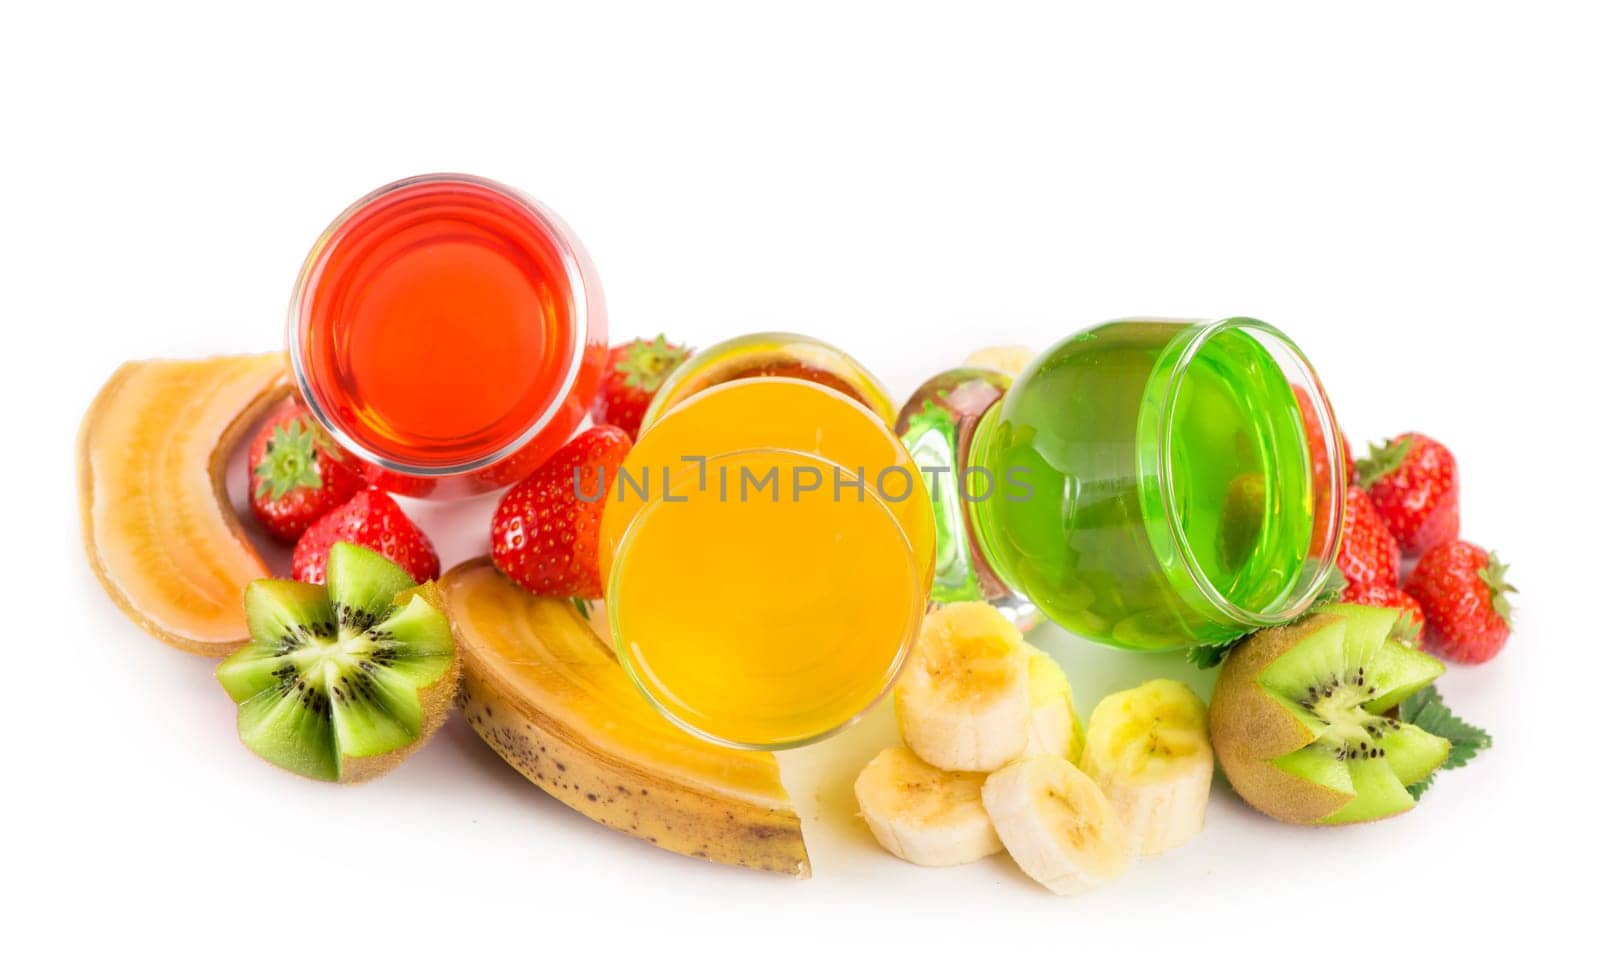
{"points": [[1426, 710], [644, 364], [1210, 657], [1494, 577], [290, 462], [1380, 461]]}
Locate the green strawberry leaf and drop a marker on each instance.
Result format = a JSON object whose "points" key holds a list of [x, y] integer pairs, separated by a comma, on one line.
{"points": [[1494, 577], [1380, 461], [646, 363], [290, 462]]}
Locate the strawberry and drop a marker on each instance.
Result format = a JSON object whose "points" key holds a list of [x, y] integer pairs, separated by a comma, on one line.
{"points": [[634, 371], [1412, 482], [544, 536], [371, 519], [296, 475], [1412, 621], [1463, 592], [1368, 555], [1315, 439]]}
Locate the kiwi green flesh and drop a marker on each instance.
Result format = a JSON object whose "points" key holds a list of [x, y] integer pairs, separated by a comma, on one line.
{"points": [[363, 584], [1337, 682], [1414, 753], [1398, 672], [1379, 793], [335, 672], [1318, 765], [1365, 630]]}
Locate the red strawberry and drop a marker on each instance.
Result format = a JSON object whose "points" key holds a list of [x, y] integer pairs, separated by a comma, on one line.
{"points": [[1412, 482], [295, 474], [1315, 439], [634, 371], [371, 519], [1368, 555], [544, 536], [1412, 621], [1463, 592]]}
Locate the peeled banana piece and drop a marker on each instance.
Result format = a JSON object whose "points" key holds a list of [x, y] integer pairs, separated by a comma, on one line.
{"points": [[1053, 725], [1010, 360], [1056, 823], [925, 815], [1148, 750], [963, 700]]}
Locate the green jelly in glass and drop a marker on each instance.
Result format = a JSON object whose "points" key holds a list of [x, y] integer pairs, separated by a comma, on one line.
{"points": [[1157, 484]]}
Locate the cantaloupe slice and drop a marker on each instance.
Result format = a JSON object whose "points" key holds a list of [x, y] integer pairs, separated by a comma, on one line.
{"points": [[157, 525], [541, 688]]}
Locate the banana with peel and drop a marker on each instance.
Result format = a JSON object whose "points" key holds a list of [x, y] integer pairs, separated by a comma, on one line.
{"points": [[1148, 750]]}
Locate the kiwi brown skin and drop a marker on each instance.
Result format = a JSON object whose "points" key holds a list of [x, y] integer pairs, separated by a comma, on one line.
{"points": [[1250, 729]]}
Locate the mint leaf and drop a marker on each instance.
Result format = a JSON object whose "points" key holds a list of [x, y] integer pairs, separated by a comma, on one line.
{"points": [[581, 605], [1425, 709], [1210, 657]]}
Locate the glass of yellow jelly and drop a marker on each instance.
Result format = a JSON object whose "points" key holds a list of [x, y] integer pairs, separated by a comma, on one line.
{"points": [[768, 546]]}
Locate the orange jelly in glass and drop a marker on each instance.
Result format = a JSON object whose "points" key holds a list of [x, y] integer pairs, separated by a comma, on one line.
{"points": [[449, 332]]}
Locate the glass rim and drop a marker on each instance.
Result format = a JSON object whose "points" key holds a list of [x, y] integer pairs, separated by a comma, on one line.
{"points": [[902, 655], [574, 265], [1297, 603], [876, 400]]}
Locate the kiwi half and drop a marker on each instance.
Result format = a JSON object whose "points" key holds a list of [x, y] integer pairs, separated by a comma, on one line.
{"points": [[1298, 724], [340, 683]]}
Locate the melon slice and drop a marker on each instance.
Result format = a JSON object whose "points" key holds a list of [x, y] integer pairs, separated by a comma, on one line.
{"points": [[547, 694], [157, 525]]}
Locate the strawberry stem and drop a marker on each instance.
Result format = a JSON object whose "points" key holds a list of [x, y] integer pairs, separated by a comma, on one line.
{"points": [[647, 362], [1380, 461], [1494, 577], [290, 462]]}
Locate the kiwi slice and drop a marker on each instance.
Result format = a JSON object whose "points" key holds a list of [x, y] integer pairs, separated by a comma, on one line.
{"points": [[1298, 718], [341, 682]]}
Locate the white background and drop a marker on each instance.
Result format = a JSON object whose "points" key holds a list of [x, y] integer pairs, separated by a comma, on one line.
{"points": [[1412, 192]]}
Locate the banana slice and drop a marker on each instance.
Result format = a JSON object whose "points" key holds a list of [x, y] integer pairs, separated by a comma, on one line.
{"points": [[922, 814], [1056, 823], [1147, 748], [962, 701], [1011, 360], [1053, 725]]}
